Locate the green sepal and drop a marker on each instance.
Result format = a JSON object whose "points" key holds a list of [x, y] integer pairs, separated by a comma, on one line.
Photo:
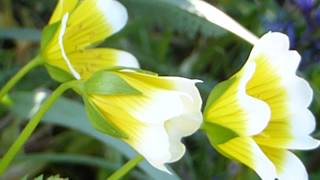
{"points": [[218, 91], [47, 34], [58, 74], [99, 121], [108, 83], [218, 134]]}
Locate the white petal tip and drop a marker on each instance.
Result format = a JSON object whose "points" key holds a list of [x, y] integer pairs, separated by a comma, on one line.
{"points": [[304, 143], [115, 13], [197, 81], [293, 168], [161, 167], [76, 75], [315, 144], [127, 60]]}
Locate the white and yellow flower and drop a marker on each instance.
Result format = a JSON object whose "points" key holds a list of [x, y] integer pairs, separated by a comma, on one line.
{"points": [[152, 112], [262, 112], [78, 25]]}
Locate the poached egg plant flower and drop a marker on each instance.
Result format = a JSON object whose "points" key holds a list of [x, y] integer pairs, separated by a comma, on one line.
{"points": [[143, 110], [261, 113], [149, 112], [73, 28]]}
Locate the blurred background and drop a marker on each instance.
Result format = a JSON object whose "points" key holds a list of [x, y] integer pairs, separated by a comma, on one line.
{"points": [[166, 39]]}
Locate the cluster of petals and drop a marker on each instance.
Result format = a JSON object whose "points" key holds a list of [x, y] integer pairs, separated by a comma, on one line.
{"points": [[256, 117], [154, 120], [81, 25], [262, 112]]}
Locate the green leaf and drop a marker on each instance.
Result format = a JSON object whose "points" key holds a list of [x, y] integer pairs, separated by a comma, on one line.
{"points": [[20, 34], [108, 83], [69, 158], [218, 91], [180, 15], [218, 134], [40, 177], [24, 177], [71, 114], [47, 34], [100, 122], [58, 74]]}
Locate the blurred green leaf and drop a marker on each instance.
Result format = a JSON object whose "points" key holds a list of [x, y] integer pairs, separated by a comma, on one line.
{"points": [[20, 34], [69, 158], [40, 177], [179, 15]]}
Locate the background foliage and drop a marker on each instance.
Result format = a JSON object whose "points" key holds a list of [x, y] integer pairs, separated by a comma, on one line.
{"points": [[166, 39]]}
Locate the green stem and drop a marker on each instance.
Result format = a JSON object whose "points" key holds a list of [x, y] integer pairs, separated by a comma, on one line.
{"points": [[126, 168], [32, 124], [32, 64]]}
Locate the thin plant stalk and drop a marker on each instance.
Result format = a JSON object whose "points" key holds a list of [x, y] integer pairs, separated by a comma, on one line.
{"points": [[32, 124], [37, 61], [126, 168]]}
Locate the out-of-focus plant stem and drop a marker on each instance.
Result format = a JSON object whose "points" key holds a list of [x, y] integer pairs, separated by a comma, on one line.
{"points": [[37, 61], [126, 168], [32, 124]]}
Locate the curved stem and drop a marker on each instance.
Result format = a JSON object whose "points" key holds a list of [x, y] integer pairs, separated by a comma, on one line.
{"points": [[32, 64], [32, 124], [126, 168]]}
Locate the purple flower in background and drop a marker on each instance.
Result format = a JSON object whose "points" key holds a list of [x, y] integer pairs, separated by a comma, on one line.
{"points": [[303, 36], [305, 5], [317, 16]]}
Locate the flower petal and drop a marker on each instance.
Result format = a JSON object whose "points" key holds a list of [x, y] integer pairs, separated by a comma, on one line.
{"points": [[275, 47], [245, 150], [91, 22], [156, 120], [162, 144], [282, 140], [94, 20], [149, 140], [160, 92], [287, 164], [275, 82], [62, 7], [235, 110], [90, 61], [177, 128]]}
